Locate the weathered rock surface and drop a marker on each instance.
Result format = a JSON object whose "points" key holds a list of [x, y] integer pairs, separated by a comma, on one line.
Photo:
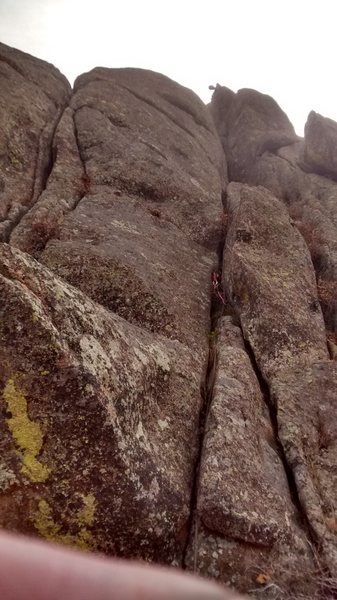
{"points": [[33, 95], [66, 185], [94, 452], [115, 437], [151, 182], [239, 463], [131, 214], [295, 173], [320, 145], [245, 513], [269, 278], [249, 123], [306, 405]]}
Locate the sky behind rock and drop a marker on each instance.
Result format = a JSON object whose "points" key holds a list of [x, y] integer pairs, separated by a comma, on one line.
{"points": [[285, 48]]}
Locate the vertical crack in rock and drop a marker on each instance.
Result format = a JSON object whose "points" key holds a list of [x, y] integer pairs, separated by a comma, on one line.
{"points": [[45, 157], [206, 390], [118, 250], [34, 95], [272, 410], [250, 508], [65, 183], [44, 162], [80, 153]]}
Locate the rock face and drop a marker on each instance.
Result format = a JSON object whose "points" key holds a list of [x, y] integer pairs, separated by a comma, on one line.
{"points": [[93, 449], [168, 330], [245, 511], [249, 124], [279, 274], [130, 215], [320, 145], [270, 280], [149, 174], [33, 95]]}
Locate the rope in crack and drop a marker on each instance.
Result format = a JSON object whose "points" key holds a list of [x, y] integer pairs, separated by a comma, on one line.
{"points": [[217, 287]]}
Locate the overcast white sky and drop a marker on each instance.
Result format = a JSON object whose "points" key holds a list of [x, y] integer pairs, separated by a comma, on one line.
{"points": [[286, 48]]}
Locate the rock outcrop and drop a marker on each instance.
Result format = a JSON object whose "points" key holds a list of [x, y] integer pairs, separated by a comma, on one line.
{"points": [[168, 324], [130, 214], [320, 145], [249, 124], [33, 96], [94, 452], [279, 274]]}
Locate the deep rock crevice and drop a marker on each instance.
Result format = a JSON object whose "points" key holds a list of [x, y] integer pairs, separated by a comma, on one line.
{"points": [[41, 223], [46, 157], [272, 409], [80, 152], [44, 162], [217, 307]]}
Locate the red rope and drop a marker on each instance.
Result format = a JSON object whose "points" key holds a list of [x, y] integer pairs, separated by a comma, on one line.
{"points": [[216, 282]]}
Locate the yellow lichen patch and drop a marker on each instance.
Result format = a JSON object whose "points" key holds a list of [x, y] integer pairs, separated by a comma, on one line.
{"points": [[45, 523], [27, 434], [86, 515], [50, 530]]}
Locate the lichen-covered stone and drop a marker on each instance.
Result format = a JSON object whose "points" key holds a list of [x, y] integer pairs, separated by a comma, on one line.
{"points": [[270, 280], [114, 435], [302, 174], [129, 211], [142, 240], [99, 420], [306, 406], [246, 522]]}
